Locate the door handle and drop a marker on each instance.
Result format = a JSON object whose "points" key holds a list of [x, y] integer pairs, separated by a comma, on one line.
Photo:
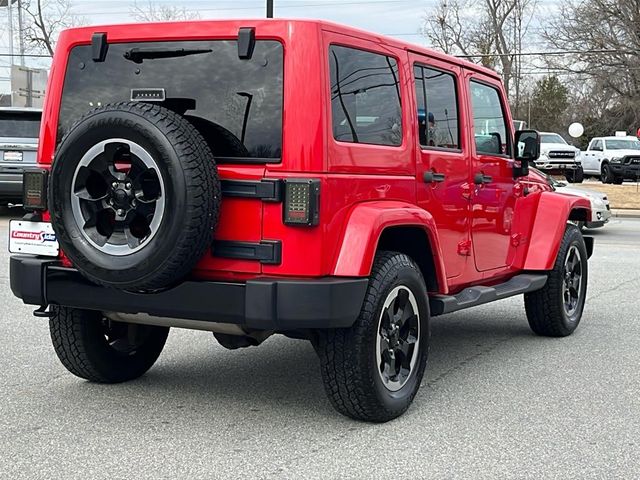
{"points": [[433, 177], [482, 179]]}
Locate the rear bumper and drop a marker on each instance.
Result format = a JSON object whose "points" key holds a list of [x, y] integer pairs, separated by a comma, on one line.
{"points": [[263, 303]]}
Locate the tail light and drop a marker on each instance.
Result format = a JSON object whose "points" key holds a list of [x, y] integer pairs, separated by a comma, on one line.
{"points": [[34, 190], [301, 201]]}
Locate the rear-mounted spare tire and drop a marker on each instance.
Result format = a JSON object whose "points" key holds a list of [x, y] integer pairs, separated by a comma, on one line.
{"points": [[134, 196]]}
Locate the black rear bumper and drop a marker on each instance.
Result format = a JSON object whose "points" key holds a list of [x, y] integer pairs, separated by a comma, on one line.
{"points": [[263, 303]]}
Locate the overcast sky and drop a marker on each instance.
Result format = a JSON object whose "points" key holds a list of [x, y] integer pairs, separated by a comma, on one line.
{"points": [[400, 18]]}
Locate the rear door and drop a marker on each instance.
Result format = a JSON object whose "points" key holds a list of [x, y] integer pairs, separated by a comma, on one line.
{"points": [[443, 165], [592, 157], [493, 200], [235, 103]]}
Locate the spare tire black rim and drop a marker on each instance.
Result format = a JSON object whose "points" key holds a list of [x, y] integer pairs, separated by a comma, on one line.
{"points": [[118, 197]]}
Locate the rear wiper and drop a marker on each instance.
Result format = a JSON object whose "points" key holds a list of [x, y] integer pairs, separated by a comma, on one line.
{"points": [[137, 55]]}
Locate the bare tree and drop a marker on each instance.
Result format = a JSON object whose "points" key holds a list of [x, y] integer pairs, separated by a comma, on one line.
{"points": [[44, 21], [151, 12], [613, 75], [492, 29]]}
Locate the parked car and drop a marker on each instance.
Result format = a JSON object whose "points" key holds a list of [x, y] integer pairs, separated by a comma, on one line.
{"points": [[600, 206], [180, 195], [557, 157], [613, 159], [19, 130]]}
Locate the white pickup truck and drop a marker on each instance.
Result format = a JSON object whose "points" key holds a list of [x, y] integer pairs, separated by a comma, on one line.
{"points": [[613, 159], [557, 157]]}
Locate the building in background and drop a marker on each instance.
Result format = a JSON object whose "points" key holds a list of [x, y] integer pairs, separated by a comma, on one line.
{"points": [[28, 86]]}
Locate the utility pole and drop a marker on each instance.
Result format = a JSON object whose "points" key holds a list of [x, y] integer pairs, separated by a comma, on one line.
{"points": [[20, 33], [10, 15], [269, 8]]}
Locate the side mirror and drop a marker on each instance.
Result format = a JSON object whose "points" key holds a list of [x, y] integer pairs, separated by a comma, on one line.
{"points": [[527, 150]]}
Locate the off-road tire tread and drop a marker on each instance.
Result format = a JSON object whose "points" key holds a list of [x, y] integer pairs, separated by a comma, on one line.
{"points": [[542, 306], [203, 200], [349, 390], [72, 343]]}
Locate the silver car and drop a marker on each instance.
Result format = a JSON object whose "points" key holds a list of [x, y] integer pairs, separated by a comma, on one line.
{"points": [[19, 130], [600, 207]]}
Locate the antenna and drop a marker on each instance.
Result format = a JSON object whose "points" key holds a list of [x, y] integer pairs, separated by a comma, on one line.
{"points": [[269, 8]]}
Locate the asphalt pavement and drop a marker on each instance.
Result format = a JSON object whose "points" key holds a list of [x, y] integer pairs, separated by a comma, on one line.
{"points": [[496, 402]]}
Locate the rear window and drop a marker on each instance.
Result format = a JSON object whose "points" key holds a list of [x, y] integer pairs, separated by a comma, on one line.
{"points": [[19, 125], [236, 103]]}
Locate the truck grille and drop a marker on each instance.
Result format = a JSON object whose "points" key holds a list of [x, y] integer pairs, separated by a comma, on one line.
{"points": [[562, 154], [632, 161]]}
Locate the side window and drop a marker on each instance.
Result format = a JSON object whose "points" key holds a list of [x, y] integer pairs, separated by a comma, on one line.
{"points": [[437, 108], [365, 97], [489, 125], [597, 145]]}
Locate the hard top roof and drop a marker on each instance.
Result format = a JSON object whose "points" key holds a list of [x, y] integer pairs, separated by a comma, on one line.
{"points": [[285, 25]]}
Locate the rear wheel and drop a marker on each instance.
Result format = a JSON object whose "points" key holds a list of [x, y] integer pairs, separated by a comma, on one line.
{"points": [[98, 349], [556, 309], [373, 370]]}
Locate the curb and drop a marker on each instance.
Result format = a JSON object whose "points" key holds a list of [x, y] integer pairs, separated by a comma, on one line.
{"points": [[625, 213]]}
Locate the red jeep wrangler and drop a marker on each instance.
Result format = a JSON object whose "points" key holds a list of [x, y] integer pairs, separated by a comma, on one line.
{"points": [[295, 177]]}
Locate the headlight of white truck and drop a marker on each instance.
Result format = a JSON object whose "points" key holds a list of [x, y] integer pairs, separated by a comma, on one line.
{"points": [[616, 160]]}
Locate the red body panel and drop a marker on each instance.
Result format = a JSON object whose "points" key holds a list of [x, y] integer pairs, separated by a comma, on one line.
{"points": [[548, 227], [477, 234]]}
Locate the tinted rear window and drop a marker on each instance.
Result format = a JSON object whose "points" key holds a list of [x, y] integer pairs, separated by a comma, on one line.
{"points": [[19, 125], [235, 103]]}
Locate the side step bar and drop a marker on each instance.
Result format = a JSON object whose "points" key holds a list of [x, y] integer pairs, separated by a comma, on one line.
{"points": [[474, 296]]}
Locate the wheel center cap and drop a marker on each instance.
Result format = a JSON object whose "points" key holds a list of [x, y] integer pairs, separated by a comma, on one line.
{"points": [[121, 197]]}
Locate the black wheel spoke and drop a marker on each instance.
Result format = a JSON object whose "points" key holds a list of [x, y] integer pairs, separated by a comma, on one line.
{"points": [[83, 194], [389, 362], [132, 240], [91, 229]]}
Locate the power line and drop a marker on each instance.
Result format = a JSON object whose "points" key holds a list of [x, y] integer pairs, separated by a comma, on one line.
{"points": [[26, 55], [259, 7], [552, 53]]}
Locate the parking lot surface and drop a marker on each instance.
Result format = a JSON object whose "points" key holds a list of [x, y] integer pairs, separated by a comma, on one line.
{"points": [[496, 402]]}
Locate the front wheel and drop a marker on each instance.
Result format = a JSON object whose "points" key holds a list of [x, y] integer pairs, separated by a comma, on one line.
{"points": [[556, 309], [372, 371], [98, 349], [575, 176], [606, 175]]}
